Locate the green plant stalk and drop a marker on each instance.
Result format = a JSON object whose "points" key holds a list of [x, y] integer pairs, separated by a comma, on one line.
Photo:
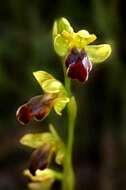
{"points": [[67, 81], [58, 175], [68, 175]]}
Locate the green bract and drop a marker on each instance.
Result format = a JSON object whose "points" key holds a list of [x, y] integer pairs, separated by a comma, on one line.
{"points": [[64, 39], [52, 86]]}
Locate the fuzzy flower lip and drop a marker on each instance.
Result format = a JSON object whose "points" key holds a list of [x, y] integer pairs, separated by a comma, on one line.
{"points": [[37, 107], [78, 65], [65, 39], [40, 158]]}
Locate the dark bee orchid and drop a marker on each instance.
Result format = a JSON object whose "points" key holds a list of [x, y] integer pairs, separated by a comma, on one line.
{"points": [[39, 107], [75, 47]]}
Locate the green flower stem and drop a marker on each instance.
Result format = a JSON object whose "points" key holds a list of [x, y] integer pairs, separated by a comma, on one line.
{"points": [[68, 180], [67, 81], [58, 175]]}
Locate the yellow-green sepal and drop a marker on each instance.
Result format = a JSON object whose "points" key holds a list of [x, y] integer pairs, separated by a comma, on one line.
{"points": [[61, 45], [52, 86], [98, 53], [60, 25], [42, 76], [48, 83]]}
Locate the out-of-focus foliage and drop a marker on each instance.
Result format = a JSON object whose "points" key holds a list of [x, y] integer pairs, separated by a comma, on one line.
{"points": [[26, 46]]}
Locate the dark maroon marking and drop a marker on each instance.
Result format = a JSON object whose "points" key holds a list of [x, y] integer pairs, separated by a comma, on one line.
{"points": [[78, 65], [24, 114], [42, 114]]}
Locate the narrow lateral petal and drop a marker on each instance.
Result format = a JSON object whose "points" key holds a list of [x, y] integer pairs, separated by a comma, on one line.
{"points": [[48, 83]]}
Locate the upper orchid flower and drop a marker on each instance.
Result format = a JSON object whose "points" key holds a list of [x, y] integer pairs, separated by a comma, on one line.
{"points": [[74, 46]]}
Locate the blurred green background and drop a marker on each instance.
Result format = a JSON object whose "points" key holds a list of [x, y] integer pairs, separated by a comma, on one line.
{"points": [[26, 46]]}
